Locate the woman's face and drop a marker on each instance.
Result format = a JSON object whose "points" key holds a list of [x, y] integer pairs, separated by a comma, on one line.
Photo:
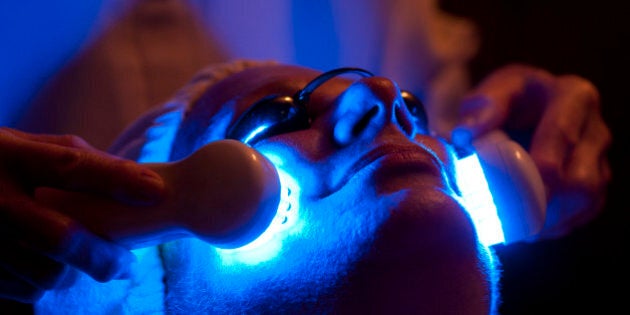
{"points": [[370, 221]]}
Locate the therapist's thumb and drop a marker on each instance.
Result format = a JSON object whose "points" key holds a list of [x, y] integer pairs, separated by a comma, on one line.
{"points": [[478, 115]]}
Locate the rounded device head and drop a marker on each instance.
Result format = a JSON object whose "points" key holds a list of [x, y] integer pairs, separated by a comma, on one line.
{"points": [[226, 193], [515, 184]]}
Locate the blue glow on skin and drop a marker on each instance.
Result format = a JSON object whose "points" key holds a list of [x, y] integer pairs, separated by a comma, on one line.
{"points": [[286, 222], [160, 137], [471, 180], [478, 200]]}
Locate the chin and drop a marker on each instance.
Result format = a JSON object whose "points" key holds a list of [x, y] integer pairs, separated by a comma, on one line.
{"points": [[425, 259], [413, 251]]}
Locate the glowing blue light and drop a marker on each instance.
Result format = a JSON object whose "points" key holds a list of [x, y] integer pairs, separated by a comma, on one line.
{"points": [[286, 222], [478, 200]]}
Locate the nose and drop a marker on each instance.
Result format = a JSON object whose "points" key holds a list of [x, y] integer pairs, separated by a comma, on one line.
{"points": [[366, 107]]}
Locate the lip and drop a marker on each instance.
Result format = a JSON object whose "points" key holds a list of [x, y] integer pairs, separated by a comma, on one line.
{"points": [[396, 157]]}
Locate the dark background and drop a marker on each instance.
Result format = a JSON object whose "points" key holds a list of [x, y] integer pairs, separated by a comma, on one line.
{"points": [[586, 272]]}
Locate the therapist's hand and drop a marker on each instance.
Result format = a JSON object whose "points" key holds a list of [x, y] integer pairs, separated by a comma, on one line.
{"points": [[39, 244], [558, 120]]}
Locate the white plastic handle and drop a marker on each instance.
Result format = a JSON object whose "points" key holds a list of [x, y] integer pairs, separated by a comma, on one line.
{"points": [[225, 193], [516, 186]]}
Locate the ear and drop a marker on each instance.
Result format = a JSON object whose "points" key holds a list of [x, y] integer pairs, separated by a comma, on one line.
{"points": [[150, 138]]}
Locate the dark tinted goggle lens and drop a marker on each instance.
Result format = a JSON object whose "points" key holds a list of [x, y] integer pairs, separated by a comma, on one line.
{"points": [[417, 111], [272, 115]]}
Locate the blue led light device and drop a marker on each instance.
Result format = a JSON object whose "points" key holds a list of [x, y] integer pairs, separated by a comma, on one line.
{"points": [[501, 189], [205, 197], [226, 193]]}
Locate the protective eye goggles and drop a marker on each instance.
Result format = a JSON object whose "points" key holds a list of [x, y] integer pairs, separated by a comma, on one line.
{"points": [[277, 114]]}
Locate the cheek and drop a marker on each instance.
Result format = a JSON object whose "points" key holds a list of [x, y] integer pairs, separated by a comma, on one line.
{"points": [[425, 247], [302, 155], [445, 153], [440, 148]]}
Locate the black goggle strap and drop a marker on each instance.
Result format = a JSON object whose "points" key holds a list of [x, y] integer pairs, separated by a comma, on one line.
{"points": [[304, 94], [275, 113]]}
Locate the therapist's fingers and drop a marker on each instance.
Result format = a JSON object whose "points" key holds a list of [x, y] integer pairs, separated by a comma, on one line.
{"points": [[71, 141], [41, 243], [571, 131], [49, 233], [513, 96], [570, 149], [558, 119], [34, 163]]}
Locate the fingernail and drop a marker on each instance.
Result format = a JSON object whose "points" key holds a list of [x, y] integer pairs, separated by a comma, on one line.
{"points": [[152, 188], [461, 137], [151, 177]]}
